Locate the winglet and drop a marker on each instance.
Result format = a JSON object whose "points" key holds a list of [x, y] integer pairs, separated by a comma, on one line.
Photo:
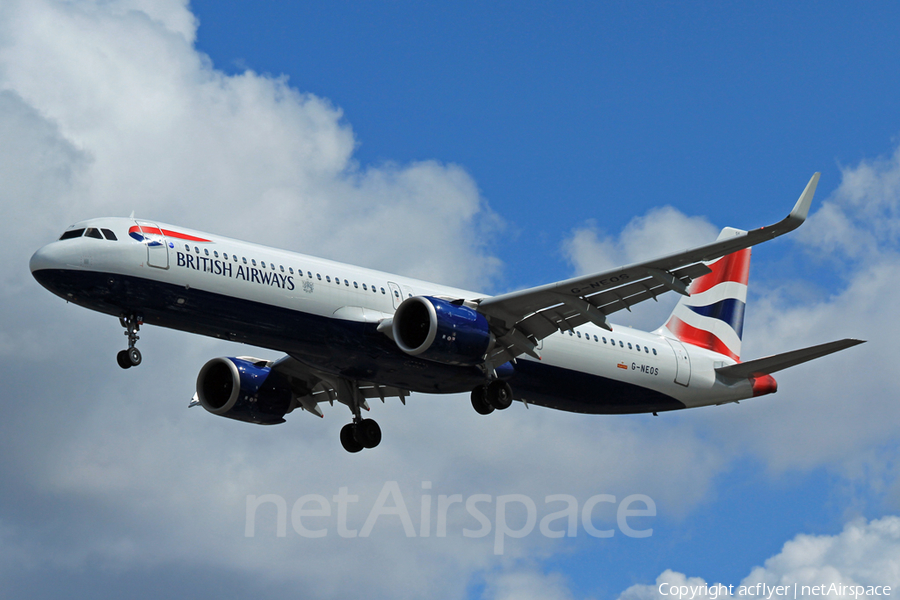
{"points": [[801, 209]]}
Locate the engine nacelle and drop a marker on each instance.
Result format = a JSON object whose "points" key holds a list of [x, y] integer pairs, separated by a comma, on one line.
{"points": [[441, 331], [244, 390]]}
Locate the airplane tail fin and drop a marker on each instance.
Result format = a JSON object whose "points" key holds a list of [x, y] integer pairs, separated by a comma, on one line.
{"points": [[712, 317]]}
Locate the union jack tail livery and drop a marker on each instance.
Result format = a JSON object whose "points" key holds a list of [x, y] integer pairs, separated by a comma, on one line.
{"points": [[712, 317]]}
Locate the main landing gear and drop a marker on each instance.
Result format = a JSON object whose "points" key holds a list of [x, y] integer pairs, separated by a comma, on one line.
{"points": [[131, 357], [495, 395], [361, 433]]}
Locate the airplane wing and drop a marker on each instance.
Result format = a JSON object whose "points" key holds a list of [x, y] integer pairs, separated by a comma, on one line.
{"points": [[310, 387], [519, 320]]}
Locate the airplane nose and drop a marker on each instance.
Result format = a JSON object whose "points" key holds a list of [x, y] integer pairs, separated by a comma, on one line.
{"points": [[42, 259], [53, 257]]}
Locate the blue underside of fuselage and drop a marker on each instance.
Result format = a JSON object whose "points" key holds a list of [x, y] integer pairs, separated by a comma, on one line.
{"points": [[350, 349]]}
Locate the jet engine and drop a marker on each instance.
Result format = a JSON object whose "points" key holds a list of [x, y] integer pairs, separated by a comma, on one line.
{"points": [[242, 389], [441, 331]]}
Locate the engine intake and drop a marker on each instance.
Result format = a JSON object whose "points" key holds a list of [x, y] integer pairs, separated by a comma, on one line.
{"points": [[244, 390], [438, 330]]}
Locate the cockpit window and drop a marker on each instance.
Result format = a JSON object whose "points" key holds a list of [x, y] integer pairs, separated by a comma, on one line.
{"points": [[92, 232], [72, 233], [109, 234]]}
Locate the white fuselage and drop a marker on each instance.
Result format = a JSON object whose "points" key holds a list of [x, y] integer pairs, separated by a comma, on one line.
{"points": [[185, 270]]}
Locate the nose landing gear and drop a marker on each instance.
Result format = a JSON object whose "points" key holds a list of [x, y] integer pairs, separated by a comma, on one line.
{"points": [[130, 357]]}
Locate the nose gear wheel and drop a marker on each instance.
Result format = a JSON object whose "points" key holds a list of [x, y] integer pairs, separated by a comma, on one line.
{"points": [[131, 356]]}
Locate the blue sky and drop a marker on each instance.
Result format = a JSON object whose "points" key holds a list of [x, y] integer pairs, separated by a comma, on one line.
{"points": [[489, 145], [599, 110]]}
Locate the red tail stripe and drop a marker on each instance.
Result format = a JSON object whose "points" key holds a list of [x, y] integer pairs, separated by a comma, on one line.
{"points": [[697, 337], [733, 267]]}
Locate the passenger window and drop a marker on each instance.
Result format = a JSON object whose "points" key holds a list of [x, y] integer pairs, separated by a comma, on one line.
{"points": [[578, 333], [347, 283], [262, 263], [629, 346], [206, 251], [595, 339], [356, 285], [244, 258], [654, 352], [328, 278], [604, 340], [309, 274], [570, 332], [365, 289], [253, 261], [196, 250], [646, 349], [319, 277], [225, 255], [73, 233], [621, 345], [187, 248], [374, 291], [382, 290], [281, 267], [291, 270], [215, 253], [109, 234], [396, 294]]}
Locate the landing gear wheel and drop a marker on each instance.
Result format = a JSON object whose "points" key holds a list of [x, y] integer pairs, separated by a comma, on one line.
{"points": [[499, 395], [131, 356], [134, 357], [368, 433], [348, 438], [123, 360], [479, 401]]}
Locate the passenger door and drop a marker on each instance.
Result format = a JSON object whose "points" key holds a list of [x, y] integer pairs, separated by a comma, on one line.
{"points": [[682, 363], [396, 294], [157, 245]]}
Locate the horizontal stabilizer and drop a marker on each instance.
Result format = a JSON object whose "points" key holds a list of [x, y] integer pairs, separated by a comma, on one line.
{"points": [[771, 364]]}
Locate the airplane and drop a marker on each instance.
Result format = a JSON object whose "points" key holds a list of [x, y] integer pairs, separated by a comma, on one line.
{"points": [[352, 334]]}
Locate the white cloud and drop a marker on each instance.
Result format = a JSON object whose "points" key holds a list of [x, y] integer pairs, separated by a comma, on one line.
{"points": [[109, 109], [661, 231], [668, 580], [861, 219], [161, 132], [863, 554], [525, 584], [105, 108]]}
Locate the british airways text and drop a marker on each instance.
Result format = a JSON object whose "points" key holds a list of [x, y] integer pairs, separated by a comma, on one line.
{"points": [[226, 269]]}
